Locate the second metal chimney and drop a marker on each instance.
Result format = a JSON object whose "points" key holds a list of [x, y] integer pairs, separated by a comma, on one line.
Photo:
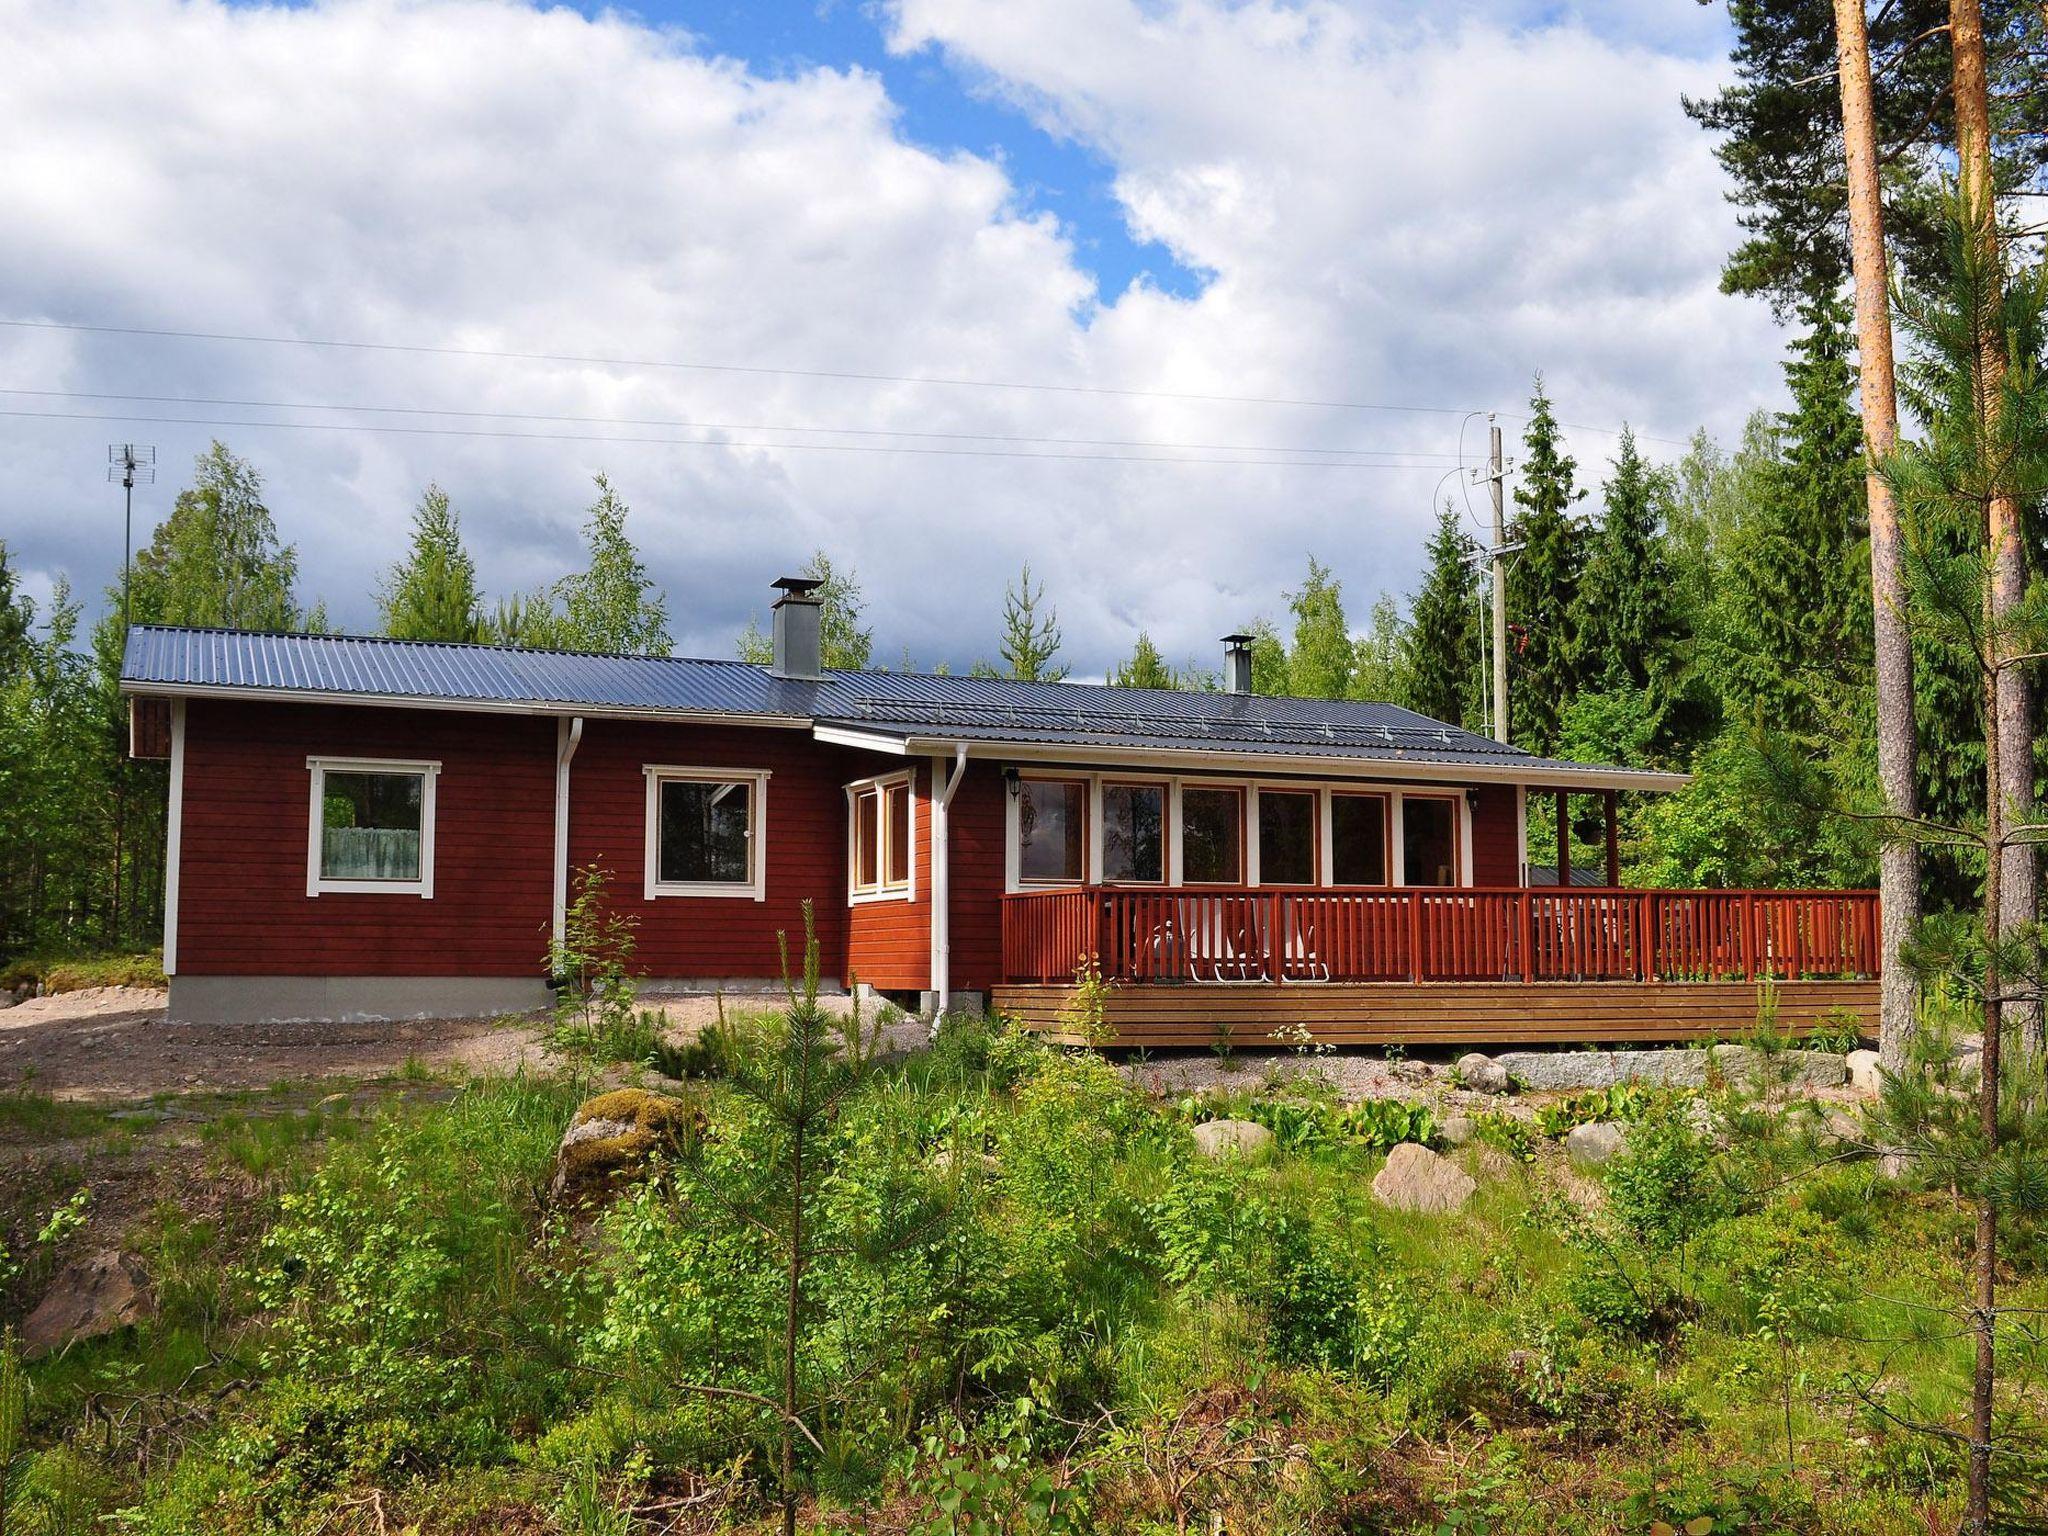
{"points": [[799, 641], [1237, 663]]}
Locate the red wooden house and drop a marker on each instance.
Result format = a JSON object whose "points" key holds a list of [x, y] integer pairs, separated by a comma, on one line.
{"points": [[379, 828]]}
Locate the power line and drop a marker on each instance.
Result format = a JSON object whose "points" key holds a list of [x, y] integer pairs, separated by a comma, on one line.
{"points": [[697, 442], [741, 368], [1431, 455]]}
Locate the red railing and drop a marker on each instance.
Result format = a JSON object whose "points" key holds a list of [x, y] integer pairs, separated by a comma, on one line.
{"points": [[1545, 933]]}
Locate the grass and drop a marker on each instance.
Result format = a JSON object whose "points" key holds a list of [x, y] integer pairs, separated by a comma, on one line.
{"points": [[29, 1118], [76, 972]]}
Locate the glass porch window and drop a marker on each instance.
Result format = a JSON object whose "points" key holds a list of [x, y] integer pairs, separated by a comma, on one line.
{"points": [[705, 831], [1358, 839], [1211, 836], [1287, 837], [1134, 834], [1429, 840], [1052, 830], [370, 825]]}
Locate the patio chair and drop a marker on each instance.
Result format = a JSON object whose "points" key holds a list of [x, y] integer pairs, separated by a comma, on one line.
{"points": [[1300, 961]]}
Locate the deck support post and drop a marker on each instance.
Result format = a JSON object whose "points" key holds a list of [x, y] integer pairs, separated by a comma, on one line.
{"points": [[1610, 805], [1564, 837]]}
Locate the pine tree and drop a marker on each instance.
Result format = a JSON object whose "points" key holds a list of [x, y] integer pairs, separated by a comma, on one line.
{"points": [[1794, 610], [1145, 669], [1030, 643], [612, 605], [1628, 620], [528, 620], [432, 594], [217, 559], [845, 645], [1543, 582], [1321, 660], [1441, 647]]}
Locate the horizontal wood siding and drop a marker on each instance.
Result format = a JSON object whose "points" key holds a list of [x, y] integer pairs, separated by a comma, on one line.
{"points": [[976, 832], [709, 937], [1448, 1013], [1496, 851], [889, 942], [242, 903]]}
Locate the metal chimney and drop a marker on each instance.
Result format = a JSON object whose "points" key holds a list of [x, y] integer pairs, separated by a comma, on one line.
{"points": [[799, 643], [1237, 663]]}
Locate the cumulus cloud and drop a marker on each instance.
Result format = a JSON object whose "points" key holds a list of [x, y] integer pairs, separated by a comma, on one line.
{"points": [[1384, 208]]}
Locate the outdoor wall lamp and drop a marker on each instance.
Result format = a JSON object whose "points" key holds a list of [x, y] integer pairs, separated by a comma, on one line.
{"points": [[1012, 782]]}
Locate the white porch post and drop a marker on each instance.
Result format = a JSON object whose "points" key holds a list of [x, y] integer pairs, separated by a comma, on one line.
{"points": [[568, 736], [174, 836]]}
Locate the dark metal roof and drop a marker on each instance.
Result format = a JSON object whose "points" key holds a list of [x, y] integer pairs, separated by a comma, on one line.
{"points": [[896, 706]]}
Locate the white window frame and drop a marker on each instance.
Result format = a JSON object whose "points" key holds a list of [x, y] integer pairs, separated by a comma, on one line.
{"points": [[884, 889], [317, 884], [755, 887]]}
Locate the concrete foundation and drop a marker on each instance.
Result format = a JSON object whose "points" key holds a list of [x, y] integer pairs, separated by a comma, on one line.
{"points": [[345, 999]]}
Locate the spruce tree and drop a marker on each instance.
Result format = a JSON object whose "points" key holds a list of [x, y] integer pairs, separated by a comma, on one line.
{"points": [[1543, 582], [1146, 668], [1030, 643], [1628, 620], [612, 605], [1320, 662], [432, 594], [1441, 646], [844, 645]]}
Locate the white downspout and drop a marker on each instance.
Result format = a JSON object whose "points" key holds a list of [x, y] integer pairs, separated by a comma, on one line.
{"points": [[568, 736], [942, 884], [174, 836]]}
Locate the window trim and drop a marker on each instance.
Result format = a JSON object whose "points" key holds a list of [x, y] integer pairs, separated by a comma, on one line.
{"points": [[1099, 818], [755, 887], [1386, 800], [884, 889], [427, 770]]}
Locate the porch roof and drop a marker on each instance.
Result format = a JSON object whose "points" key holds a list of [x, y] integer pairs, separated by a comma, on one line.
{"points": [[904, 712]]}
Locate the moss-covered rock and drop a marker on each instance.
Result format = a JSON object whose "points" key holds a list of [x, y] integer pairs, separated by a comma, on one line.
{"points": [[613, 1137]]}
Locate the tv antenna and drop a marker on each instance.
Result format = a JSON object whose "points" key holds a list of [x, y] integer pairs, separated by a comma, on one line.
{"points": [[132, 464]]}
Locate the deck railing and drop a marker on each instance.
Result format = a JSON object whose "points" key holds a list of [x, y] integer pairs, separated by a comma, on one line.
{"points": [[1437, 933]]}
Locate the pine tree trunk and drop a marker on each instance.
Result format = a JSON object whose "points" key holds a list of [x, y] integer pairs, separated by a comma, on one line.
{"points": [[2013, 716], [1899, 872], [1984, 1263]]}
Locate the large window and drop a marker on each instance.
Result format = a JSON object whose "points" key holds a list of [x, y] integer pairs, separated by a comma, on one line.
{"points": [[1052, 830], [704, 833], [1134, 833], [372, 827], [881, 837], [1211, 836], [1358, 839], [1429, 840], [1287, 837]]}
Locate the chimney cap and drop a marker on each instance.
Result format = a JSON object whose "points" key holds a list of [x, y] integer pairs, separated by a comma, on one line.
{"points": [[1237, 639], [798, 588]]}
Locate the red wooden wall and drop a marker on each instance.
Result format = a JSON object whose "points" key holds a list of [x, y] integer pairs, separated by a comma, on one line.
{"points": [[242, 902], [1496, 852], [977, 860], [889, 941]]}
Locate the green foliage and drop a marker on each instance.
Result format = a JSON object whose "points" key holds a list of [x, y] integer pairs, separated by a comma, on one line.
{"points": [[1321, 658], [1441, 650], [1617, 1101], [591, 964], [1627, 625], [432, 594], [1543, 584], [1031, 641], [217, 559], [612, 604], [1308, 1125], [844, 645], [1145, 668]]}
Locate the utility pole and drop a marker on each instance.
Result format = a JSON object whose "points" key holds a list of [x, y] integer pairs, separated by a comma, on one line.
{"points": [[1494, 476], [132, 464]]}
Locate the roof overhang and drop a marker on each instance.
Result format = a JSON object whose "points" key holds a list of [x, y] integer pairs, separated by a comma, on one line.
{"points": [[546, 708], [1391, 770]]}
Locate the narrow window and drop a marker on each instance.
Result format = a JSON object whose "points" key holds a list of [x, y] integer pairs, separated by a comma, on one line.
{"points": [[1287, 837], [1052, 829], [880, 846], [1134, 833], [1429, 840], [1212, 836], [897, 835], [867, 840], [372, 827], [1358, 839]]}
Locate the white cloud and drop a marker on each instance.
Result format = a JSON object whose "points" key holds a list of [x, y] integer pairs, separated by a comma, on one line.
{"points": [[1392, 210]]}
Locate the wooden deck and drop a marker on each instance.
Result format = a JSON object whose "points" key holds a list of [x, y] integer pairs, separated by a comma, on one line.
{"points": [[1445, 1013]]}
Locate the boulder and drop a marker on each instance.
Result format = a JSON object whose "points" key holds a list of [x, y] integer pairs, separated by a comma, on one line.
{"points": [[1482, 1074], [1416, 1179], [1456, 1130], [1222, 1138], [104, 1291], [1793, 1069], [614, 1136], [1583, 1071], [1595, 1143], [1863, 1073]]}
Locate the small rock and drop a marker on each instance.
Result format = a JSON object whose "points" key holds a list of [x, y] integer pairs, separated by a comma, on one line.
{"points": [[1864, 1074], [612, 1138], [1456, 1130], [1482, 1074], [1840, 1126], [104, 1291], [1217, 1138], [1416, 1179], [1595, 1143]]}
